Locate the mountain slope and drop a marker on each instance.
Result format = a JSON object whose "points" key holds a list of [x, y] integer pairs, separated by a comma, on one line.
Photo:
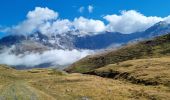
{"points": [[104, 40], [152, 71], [156, 47], [158, 29], [114, 39]]}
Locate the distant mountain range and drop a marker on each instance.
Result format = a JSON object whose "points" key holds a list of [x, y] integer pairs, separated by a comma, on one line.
{"points": [[38, 42], [112, 39]]}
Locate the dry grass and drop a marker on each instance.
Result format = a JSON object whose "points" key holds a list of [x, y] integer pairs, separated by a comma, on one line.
{"points": [[46, 84], [77, 87], [153, 71]]}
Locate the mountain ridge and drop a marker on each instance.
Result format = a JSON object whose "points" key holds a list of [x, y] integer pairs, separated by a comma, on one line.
{"points": [[99, 41]]}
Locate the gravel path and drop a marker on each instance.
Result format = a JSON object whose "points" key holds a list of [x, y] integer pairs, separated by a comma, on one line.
{"points": [[22, 91]]}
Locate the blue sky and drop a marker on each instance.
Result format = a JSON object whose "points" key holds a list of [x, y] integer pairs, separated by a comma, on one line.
{"points": [[14, 11]]}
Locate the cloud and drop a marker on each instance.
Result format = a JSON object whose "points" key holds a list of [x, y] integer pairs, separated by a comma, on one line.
{"points": [[46, 21], [56, 27], [42, 14], [89, 25], [35, 18], [4, 29], [167, 19], [90, 8], [81, 9], [55, 57], [130, 21]]}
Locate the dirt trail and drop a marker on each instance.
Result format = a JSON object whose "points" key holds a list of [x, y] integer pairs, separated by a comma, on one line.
{"points": [[22, 91]]}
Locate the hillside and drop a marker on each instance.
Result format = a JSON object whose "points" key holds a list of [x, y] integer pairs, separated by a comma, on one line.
{"points": [[152, 71], [157, 47], [50, 84]]}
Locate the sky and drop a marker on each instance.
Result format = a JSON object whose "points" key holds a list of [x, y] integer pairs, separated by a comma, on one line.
{"points": [[14, 12]]}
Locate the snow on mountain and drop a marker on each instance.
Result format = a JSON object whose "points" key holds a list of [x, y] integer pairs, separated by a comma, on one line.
{"points": [[70, 41]]}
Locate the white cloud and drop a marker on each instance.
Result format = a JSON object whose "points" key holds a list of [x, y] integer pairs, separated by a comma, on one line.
{"points": [[34, 19], [56, 57], [56, 27], [4, 29], [81, 9], [42, 14], [88, 25], [167, 19], [90, 8], [62, 26], [130, 21], [45, 20]]}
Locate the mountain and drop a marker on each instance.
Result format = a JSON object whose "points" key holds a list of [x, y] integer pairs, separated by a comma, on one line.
{"points": [[34, 43], [156, 47], [38, 42], [114, 39], [157, 30], [99, 41], [103, 40]]}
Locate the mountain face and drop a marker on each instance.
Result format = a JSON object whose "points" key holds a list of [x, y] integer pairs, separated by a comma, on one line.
{"points": [[103, 40], [54, 42], [36, 42]]}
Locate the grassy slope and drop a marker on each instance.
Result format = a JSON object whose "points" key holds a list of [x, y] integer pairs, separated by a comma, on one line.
{"points": [[157, 47], [47, 84], [153, 71]]}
